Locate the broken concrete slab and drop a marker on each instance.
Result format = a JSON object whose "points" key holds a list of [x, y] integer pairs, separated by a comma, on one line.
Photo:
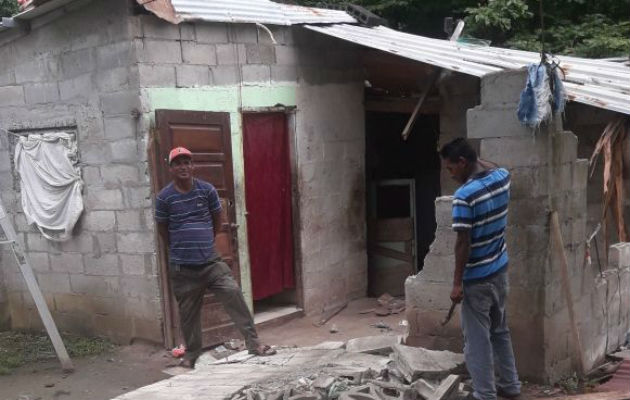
{"points": [[418, 362], [204, 360], [239, 357], [446, 388], [360, 360], [424, 388], [381, 345], [330, 345]]}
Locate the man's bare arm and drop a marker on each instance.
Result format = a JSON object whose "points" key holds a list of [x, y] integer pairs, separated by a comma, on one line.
{"points": [[462, 252], [217, 222]]}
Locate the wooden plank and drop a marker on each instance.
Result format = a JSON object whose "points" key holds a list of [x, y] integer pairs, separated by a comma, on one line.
{"points": [[558, 246], [402, 105], [36, 293]]}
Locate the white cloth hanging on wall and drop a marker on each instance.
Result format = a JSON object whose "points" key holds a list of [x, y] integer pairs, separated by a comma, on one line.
{"points": [[51, 182]]}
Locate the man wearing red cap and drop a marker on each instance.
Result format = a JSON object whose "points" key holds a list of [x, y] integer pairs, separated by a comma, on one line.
{"points": [[188, 212]]}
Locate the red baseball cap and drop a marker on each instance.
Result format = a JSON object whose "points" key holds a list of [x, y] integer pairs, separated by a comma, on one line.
{"points": [[177, 152]]}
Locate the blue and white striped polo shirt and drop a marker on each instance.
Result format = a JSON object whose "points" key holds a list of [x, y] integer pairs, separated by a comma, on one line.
{"points": [[481, 206], [189, 218]]}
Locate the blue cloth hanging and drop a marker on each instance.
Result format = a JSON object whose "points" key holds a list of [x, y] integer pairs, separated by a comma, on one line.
{"points": [[536, 105]]}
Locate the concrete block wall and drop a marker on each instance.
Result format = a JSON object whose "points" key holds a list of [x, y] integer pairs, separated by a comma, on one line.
{"points": [[78, 72], [546, 174], [462, 92], [326, 84]]}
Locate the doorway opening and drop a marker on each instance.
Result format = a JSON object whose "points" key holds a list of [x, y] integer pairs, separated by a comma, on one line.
{"points": [[268, 197], [403, 181]]}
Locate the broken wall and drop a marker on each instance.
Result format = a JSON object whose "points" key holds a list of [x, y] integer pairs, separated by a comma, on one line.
{"points": [[546, 175], [236, 67], [588, 123], [75, 70]]}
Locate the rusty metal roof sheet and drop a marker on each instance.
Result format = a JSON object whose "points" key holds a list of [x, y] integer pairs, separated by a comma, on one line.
{"points": [[256, 11], [599, 83]]}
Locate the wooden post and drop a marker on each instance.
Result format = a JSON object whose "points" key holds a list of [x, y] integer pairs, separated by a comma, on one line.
{"points": [[558, 248], [36, 293]]}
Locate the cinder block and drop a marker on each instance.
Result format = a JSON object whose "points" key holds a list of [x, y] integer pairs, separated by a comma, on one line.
{"points": [[192, 75], [619, 255], [140, 287], [284, 73], [124, 150], [99, 220], [227, 54], [438, 268], [427, 295], [503, 87], [187, 31], [113, 79], [515, 151], [243, 33], [120, 174], [76, 88], [149, 329], [156, 75], [196, 53], [101, 199], [580, 175], [161, 52], [260, 54], [105, 265], [255, 74], [129, 220], [120, 102], [39, 261], [138, 197], [225, 75], [36, 242], [94, 153], [7, 78], [135, 242], [115, 55], [211, 32], [121, 127], [80, 243], [94, 285], [78, 62], [104, 243], [157, 28], [142, 307], [66, 262], [132, 264], [38, 93], [53, 283], [38, 70], [485, 122]]}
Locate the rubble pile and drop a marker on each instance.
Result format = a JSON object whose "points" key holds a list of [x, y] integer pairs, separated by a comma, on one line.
{"points": [[369, 368]]}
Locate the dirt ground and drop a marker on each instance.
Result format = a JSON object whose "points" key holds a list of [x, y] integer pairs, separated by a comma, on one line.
{"points": [[106, 376]]}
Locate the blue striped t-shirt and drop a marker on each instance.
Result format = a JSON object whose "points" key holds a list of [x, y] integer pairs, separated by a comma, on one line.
{"points": [[189, 218], [481, 206]]}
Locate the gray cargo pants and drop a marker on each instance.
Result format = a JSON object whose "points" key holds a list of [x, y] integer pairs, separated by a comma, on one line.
{"points": [[488, 346], [189, 286]]}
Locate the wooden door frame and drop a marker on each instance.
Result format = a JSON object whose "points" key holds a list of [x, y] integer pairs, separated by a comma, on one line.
{"points": [[158, 154], [290, 113]]}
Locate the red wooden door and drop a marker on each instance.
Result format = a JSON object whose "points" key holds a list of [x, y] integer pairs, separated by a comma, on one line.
{"points": [[268, 199], [207, 136]]}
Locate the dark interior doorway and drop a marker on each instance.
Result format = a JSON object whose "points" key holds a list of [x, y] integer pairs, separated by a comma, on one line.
{"points": [[403, 180]]}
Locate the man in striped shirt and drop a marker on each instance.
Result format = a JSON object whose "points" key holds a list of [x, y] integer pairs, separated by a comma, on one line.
{"points": [[480, 208], [188, 213]]}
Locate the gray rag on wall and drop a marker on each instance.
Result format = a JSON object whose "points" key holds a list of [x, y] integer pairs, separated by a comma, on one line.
{"points": [[51, 183]]}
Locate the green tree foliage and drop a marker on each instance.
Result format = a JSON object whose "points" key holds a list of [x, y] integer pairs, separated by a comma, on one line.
{"points": [[586, 28], [8, 8]]}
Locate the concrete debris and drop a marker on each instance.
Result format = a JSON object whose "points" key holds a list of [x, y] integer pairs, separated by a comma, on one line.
{"points": [[417, 362], [381, 325], [373, 344], [333, 328], [329, 346], [205, 359], [348, 375], [389, 305]]}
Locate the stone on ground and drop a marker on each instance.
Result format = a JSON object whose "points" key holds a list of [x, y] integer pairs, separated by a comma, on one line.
{"points": [[417, 362], [204, 360], [329, 346], [373, 344], [446, 388]]}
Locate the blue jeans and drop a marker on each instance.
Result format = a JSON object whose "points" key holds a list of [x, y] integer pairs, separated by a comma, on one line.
{"points": [[488, 346]]}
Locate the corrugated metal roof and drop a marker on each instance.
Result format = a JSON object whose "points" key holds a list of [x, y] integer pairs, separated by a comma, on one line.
{"points": [[602, 84], [256, 11]]}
